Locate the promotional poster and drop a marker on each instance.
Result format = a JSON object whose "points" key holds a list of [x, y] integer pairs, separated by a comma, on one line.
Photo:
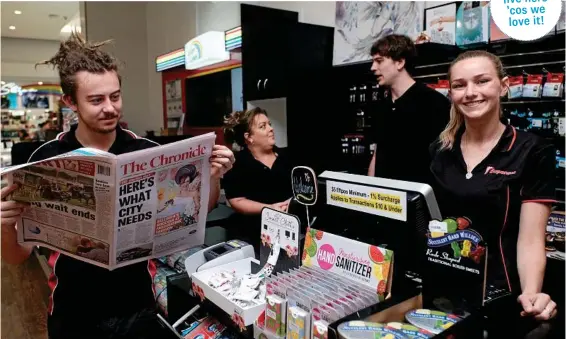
{"points": [[455, 252], [366, 264]]}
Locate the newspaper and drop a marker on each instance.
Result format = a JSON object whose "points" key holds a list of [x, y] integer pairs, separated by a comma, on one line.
{"points": [[113, 211]]}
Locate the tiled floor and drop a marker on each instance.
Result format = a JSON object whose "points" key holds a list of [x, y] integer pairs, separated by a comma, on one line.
{"points": [[24, 301]]}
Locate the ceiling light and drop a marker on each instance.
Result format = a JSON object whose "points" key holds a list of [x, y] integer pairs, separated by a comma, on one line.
{"points": [[12, 27], [40, 83], [71, 28], [17, 12]]}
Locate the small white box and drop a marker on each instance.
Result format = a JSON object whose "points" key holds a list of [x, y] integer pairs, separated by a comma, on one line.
{"points": [[240, 267]]}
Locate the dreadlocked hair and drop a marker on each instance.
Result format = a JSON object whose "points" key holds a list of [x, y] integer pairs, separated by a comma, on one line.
{"points": [[238, 123], [75, 55]]}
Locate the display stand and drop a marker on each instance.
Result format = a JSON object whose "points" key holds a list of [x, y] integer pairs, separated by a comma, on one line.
{"points": [[393, 215]]}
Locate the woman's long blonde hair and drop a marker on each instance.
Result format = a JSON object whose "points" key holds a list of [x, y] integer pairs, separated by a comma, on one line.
{"points": [[448, 136]]}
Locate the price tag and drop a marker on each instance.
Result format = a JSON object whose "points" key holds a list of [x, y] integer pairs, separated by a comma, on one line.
{"points": [[438, 226]]}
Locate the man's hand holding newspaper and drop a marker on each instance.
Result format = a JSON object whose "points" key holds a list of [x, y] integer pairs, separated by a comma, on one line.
{"points": [[10, 212]]}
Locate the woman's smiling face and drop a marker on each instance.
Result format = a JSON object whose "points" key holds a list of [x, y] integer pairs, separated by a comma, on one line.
{"points": [[475, 88]]}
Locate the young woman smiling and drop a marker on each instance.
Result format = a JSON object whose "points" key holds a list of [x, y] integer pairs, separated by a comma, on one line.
{"points": [[498, 177]]}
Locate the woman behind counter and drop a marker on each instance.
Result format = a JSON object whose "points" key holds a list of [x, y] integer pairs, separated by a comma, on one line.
{"points": [[498, 177], [261, 176]]}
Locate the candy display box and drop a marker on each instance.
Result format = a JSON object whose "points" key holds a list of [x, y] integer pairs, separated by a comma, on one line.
{"points": [[338, 277], [241, 316], [394, 310]]}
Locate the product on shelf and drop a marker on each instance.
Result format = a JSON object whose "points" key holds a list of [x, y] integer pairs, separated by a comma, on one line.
{"points": [[442, 86], [368, 330], [533, 87], [472, 22], [275, 315], [302, 302], [430, 320], [208, 328], [555, 230], [559, 123], [410, 331], [554, 86], [353, 91], [515, 87]]}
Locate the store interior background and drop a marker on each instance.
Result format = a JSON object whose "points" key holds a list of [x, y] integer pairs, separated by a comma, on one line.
{"points": [[151, 29], [141, 31]]}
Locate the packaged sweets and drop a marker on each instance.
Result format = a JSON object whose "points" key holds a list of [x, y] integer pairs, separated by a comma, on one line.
{"points": [[275, 315], [297, 322], [368, 330], [410, 330], [432, 321]]}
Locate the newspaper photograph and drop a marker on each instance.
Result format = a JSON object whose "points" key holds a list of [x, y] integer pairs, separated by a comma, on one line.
{"points": [[113, 211]]}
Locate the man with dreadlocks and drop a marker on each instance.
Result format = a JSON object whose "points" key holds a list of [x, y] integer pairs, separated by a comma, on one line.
{"points": [[88, 301]]}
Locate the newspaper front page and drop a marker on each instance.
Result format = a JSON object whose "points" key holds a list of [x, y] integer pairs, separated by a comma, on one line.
{"points": [[114, 211]]}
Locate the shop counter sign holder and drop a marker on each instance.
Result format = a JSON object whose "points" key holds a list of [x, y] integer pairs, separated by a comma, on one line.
{"points": [[305, 187]]}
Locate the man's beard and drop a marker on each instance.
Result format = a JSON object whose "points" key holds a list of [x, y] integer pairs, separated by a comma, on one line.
{"points": [[96, 129]]}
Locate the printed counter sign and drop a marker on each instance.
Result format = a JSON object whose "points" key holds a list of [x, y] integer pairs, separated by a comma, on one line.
{"points": [[526, 19], [366, 264], [373, 200]]}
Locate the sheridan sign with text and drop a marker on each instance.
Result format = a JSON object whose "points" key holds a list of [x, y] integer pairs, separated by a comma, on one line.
{"points": [[379, 201]]}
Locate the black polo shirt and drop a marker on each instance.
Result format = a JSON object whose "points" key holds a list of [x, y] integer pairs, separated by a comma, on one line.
{"points": [[86, 297], [251, 179], [404, 128], [520, 168]]}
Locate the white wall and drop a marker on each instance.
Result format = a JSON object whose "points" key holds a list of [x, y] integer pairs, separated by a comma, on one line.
{"points": [[170, 25], [125, 23], [220, 16], [142, 31], [19, 57], [277, 111]]}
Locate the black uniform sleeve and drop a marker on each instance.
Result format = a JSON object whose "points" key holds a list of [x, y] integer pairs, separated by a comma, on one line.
{"points": [[234, 182], [539, 174], [433, 149]]}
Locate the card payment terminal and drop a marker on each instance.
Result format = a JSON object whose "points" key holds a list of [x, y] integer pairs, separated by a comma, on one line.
{"points": [[218, 254]]}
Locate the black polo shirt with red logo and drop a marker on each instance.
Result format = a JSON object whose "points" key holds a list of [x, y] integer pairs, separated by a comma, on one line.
{"points": [[88, 301], [519, 169]]}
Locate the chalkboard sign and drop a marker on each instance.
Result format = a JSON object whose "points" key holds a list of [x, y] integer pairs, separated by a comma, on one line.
{"points": [[305, 188]]}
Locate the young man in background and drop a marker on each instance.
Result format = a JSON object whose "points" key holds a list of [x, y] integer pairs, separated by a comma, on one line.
{"points": [[412, 117], [88, 301]]}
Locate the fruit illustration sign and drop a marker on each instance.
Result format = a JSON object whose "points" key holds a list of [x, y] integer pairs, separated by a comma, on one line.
{"points": [[367, 264], [379, 201]]}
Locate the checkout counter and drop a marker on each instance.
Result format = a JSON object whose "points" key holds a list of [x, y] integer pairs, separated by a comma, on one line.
{"points": [[496, 320]]}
